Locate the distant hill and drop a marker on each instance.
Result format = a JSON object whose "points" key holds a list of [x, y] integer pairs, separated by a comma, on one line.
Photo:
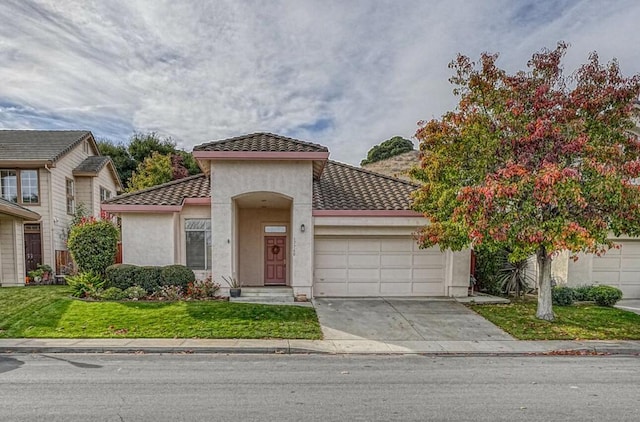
{"points": [[397, 166]]}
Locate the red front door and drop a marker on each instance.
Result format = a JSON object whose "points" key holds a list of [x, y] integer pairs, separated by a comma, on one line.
{"points": [[275, 266]]}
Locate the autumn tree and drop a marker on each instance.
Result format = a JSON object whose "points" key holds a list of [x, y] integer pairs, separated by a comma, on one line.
{"points": [[387, 149], [124, 164], [534, 162]]}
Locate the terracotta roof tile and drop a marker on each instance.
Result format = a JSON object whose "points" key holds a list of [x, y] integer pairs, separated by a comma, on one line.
{"points": [[261, 142], [343, 187], [171, 193], [41, 145]]}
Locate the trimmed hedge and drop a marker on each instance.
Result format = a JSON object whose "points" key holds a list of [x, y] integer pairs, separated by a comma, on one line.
{"points": [[606, 295], [562, 296], [150, 278], [93, 244], [176, 275]]}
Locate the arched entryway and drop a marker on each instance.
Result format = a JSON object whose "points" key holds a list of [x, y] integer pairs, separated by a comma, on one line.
{"points": [[263, 226]]}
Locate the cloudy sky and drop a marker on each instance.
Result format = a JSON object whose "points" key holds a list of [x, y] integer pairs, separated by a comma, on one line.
{"points": [[347, 73]]}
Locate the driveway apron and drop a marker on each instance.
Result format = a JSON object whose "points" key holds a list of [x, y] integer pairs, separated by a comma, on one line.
{"points": [[402, 319]]}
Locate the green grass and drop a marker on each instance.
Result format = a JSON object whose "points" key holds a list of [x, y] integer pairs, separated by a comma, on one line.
{"points": [[580, 322], [49, 312]]}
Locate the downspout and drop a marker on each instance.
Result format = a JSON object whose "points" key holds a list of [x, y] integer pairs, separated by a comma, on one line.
{"points": [[51, 239]]}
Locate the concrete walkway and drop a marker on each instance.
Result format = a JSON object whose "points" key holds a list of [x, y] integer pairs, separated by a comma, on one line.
{"points": [[502, 347]]}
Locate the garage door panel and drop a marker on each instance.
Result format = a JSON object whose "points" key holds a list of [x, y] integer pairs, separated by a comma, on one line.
{"points": [[363, 273], [395, 275], [363, 261], [331, 261], [620, 268], [363, 245], [375, 266], [395, 260], [396, 245]]}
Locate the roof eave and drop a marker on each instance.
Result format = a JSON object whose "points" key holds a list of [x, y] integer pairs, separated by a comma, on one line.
{"points": [[23, 213]]}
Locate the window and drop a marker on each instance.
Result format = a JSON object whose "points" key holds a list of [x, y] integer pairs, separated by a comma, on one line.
{"points": [[21, 190], [104, 194], [275, 229], [198, 243], [71, 200]]}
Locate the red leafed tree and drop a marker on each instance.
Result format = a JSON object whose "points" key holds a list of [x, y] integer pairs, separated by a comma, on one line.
{"points": [[534, 162]]}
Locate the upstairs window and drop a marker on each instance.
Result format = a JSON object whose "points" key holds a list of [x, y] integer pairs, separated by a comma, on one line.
{"points": [[71, 196], [104, 194], [24, 189]]}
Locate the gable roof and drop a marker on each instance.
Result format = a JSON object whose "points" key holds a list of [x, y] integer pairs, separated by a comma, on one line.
{"points": [[342, 187], [39, 145], [261, 142], [91, 165], [168, 194], [13, 209]]}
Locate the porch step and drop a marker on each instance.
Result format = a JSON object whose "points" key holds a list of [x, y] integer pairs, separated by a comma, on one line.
{"points": [[267, 292], [265, 295]]}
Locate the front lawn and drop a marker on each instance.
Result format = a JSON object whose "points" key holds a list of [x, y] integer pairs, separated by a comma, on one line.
{"points": [[577, 322], [49, 312]]}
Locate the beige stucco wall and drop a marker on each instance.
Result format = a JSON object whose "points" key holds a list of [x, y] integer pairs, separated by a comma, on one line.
{"points": [[148, 239], [251, 244], [11, 252], [292, 179]]}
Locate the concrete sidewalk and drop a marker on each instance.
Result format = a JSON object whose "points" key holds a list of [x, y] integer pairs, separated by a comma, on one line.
{"points": [[504, 347]]}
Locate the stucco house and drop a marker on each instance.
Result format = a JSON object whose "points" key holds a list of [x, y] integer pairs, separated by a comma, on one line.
{"points": [[44, 177], [275, 211]]}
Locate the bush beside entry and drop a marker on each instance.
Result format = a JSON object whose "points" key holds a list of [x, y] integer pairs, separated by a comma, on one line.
{"points": [[93, 244], [150, 278]]}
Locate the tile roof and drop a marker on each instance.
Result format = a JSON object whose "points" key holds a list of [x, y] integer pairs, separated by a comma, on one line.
{"points": [[92, 164], [11, 208], [39, 145], [171, 193], [261, 142], [343, 187]]}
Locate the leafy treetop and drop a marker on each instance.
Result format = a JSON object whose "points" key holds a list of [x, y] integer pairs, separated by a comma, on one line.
{"points": [[387, 149], [533, 163]]}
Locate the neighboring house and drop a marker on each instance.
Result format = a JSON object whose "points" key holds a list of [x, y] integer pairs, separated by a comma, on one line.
{"points": [[275, 211], [44, 177]]}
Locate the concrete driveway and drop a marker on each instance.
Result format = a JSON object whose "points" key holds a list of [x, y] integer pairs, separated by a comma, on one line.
{"points": [[632, 305], [400, 319]]}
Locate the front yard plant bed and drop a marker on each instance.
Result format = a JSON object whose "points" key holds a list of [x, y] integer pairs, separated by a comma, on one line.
{"points": [[577, 322], [50, 312]]}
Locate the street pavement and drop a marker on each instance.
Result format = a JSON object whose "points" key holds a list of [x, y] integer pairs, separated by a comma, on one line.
{"points": [[105, 387], [355, 326]]}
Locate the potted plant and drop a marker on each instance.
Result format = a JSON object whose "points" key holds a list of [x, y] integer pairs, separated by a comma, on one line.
{"points": [[234, 286], [41, 274]]}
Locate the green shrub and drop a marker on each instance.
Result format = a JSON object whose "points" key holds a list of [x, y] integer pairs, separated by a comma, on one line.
{"points": [[582, 293], [606, 295], [135, 292], [147, 277], [93, 244], [562, 296], [112, 293], [121, 276], [176, 275], [86, 284]]}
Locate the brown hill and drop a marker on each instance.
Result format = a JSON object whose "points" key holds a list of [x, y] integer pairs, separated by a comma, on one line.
{"points": [[397, 166]]}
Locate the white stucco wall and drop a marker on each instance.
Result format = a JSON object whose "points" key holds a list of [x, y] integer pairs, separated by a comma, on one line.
{"points": [[293, 179], [148, 239]]}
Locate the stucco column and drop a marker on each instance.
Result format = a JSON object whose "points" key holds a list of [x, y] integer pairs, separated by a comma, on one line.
{"points": [[457, 273], [301, 249], [222, 242]]}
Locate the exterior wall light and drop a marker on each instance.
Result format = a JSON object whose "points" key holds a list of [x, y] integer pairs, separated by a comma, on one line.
{"points": [[302, 228]]}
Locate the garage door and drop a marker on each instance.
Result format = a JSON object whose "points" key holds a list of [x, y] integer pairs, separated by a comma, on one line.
{"points": [[376, 266], [620, 268]]}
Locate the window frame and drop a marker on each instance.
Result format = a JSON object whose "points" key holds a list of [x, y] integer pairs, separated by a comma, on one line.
{"points": [[18, 176], [70, 197], [104, 197], [207, 253]]}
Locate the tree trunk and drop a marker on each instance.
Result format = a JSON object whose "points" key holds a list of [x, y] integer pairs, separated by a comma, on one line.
{"points": [[545, 304]]}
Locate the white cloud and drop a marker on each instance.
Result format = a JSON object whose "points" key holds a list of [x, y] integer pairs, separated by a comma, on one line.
{"points": [[345, 74]]}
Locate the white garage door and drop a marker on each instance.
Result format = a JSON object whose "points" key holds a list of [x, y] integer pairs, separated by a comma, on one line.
{"points": [[376, 266], [620, 268]]}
